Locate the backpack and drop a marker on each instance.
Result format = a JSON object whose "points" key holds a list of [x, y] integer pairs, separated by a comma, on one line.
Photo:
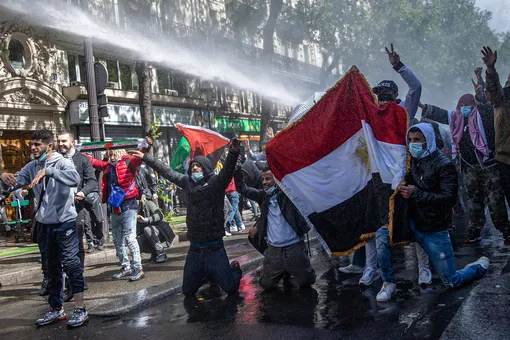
{"points": [[117, 194]]}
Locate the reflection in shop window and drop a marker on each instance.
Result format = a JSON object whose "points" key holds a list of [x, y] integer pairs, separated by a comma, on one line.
{"points": [[16, 54]]}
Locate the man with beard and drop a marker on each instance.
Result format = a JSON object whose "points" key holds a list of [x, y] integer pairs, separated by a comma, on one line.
{"points": [[284, 228], [54, 180], [499, 97]]}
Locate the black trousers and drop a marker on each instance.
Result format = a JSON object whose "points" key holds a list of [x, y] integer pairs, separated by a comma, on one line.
{"points": [[90, 217]]}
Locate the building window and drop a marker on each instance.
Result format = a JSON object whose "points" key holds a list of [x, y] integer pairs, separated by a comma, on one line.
{"points": [[17, 54], [126, 77], [73, 75], [180, 83], [164, 80]]}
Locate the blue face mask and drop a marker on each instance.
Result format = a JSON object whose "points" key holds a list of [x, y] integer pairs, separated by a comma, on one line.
{"points": [[197, 176], [466, 111], [271, 190], [43, 157], [416, 150]]}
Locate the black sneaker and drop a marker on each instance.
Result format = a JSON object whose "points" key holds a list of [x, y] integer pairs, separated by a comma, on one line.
{"points": [[91, 248], [44, 288], [473, 238], [52, 316], [100, 244], [79, 318]]}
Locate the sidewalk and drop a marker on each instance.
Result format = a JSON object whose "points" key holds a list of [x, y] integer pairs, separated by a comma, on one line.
{"points": [[485, 314]]}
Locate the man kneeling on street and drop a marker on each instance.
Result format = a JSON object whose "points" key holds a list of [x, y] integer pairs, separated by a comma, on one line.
{"points": [[431, 188], [284, 228], [54, 179], [152, 229], [205, 191]]}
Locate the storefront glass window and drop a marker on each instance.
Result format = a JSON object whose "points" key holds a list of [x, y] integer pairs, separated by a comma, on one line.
{"points": [[16, 54]]}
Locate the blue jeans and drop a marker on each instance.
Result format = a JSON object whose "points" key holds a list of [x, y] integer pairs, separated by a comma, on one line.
{"points": [[438, 247], [124, 229], [254, 208], [234, 215], [61, 248], [209, 262]]}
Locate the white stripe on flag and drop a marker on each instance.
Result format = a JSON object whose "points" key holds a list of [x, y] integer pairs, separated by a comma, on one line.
{"points": [[344, 172]]}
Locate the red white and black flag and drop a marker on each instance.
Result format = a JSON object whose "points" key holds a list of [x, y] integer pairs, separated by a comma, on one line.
{"points": [[326, 162], [204, 142]]}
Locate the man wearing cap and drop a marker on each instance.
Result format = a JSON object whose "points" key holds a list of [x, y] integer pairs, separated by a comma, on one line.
{"points": [[387, 91]]}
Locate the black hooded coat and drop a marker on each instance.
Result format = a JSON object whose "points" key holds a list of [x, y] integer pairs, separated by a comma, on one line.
{"points": [[204, 219]]}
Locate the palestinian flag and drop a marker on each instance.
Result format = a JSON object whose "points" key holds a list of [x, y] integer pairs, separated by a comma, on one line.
{"points": [[336, 160], [180, 155], [204, 142], [128, 144]]}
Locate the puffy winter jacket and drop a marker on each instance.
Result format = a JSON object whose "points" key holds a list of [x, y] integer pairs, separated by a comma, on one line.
{"points": [[436, 180], [126, 169], [205, 219]]}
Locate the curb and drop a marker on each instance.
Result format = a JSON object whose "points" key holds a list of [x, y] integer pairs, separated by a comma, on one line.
{"points": [[132, 301]]}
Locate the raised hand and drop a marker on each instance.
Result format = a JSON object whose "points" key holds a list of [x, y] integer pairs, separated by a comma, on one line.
{"points": [[478, 72], [489, 57], [393, 56], [477, 87], [136, 153]]}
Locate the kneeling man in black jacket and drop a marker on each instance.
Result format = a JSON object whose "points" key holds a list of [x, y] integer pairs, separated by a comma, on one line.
{"points": [[205, 192], [283, 228], [431, 188]]}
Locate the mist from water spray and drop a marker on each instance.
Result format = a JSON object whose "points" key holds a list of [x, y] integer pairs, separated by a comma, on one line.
{"points": [[167, 52]]}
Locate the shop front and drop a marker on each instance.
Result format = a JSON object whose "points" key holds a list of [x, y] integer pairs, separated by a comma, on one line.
{"points": [[124, 122], [247, 130]]}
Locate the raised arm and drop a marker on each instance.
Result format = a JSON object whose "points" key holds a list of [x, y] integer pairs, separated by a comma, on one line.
{"points": [[494, 89], [163, 170], [246, 191], [436, 114], [97, 164], [226, 174], [413, 96], [65, 173]]}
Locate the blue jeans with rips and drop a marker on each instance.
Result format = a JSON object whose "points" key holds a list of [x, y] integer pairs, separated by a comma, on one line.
{"points": [[438, 247], [234, 215], [124, 230]]}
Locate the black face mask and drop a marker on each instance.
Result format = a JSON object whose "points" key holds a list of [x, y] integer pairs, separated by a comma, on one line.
{"points": [[385, 98]]}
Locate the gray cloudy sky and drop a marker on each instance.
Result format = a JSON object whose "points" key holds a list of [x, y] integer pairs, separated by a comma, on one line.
{"points": [[500, 13]]}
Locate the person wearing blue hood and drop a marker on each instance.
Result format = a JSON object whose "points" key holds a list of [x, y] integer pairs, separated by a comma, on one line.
{"points": [[205, 191], [431, 188], [54, 179]]}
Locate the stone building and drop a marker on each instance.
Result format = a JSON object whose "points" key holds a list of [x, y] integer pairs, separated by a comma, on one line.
{"points": [[42, 74]]}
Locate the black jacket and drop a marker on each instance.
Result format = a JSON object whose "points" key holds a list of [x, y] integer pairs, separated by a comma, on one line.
{"points": [[88, 181], [155, 218], [252, 175], [288, 209], [436, 180], [204, 219], [145, 183]]}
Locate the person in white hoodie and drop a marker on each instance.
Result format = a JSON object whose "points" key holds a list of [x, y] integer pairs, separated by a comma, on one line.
{"points": [[54, 180]]}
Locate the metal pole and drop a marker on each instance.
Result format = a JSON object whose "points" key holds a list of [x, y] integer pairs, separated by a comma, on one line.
{"points": [[91, 84]]}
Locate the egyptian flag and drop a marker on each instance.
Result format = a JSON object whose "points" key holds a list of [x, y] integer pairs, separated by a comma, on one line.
{"points": [[334, 162], [204, 142], [180, 155]]}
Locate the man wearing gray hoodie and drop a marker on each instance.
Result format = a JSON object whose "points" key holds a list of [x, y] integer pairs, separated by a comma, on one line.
{"points": [[54, 180]]}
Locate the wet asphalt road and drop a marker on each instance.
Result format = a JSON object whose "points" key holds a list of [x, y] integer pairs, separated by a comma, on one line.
{"points": [[335, 308]]}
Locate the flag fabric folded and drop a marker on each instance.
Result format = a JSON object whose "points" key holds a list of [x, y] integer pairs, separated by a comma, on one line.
{"points": [[204, 142], [180, 155], [128, 144], [334, 160]]}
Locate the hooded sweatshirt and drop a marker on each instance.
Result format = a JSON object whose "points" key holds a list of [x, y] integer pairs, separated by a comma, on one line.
{"points": [[436, 181], [204, 218], [60, 182]]}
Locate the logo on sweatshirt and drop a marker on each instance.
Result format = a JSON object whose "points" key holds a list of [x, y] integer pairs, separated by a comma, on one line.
{"points": [[69, 232]]}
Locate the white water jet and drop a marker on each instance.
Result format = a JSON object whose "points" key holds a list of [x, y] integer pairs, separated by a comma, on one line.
{"points": [[170, 53]]}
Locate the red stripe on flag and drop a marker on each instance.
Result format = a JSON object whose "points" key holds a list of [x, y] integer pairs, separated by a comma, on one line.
{"points": [[202, 141], [332, 121]]}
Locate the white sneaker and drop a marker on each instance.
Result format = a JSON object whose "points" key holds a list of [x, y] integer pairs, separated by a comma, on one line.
{"points": [[233, 230], [425, 277], [369, 276], [227, 233], [242, 228], [386, 292], [351, 269], [482, 261]]}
